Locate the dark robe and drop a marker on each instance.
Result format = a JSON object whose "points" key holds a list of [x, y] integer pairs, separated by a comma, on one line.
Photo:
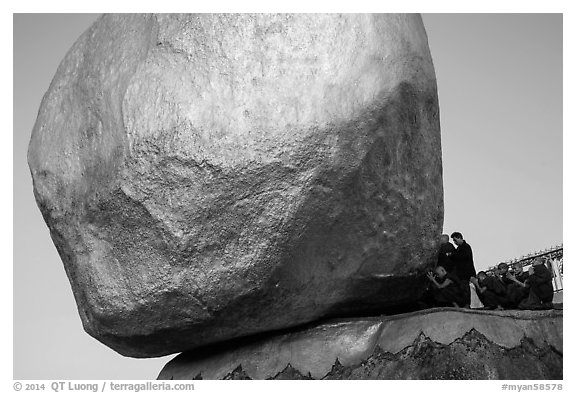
{"points": [[450, 294], [516, 293], [496, 284], [522, 277], [505, 280], [495, 293], [463, 262], [541, 290], [444, 257]]}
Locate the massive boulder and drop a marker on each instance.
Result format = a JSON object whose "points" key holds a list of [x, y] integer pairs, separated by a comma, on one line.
{"points": [[438, 343], [206, 177]]}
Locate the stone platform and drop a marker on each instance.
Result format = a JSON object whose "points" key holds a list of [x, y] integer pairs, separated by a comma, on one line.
{"points": [[440, 343]]}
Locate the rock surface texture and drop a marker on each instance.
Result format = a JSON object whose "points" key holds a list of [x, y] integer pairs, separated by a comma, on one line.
{"points": [[206, 177], [431, 344]]}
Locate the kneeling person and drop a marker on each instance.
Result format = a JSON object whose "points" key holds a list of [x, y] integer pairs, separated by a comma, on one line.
{"points": [[447, 290], [491, 291], [541, 288], [518, 288]]}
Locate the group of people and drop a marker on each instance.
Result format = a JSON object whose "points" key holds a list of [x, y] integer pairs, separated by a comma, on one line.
{"points": [[454, 282]]}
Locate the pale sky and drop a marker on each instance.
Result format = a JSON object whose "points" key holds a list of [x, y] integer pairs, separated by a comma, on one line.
{"points": [[500, 93]]}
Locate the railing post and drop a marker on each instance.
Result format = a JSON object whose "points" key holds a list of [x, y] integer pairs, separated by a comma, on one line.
{"points": [[557, 276]]}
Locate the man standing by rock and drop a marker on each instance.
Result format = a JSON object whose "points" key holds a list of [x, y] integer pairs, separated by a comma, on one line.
{"points": [[462, 258], [445, 253]]}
